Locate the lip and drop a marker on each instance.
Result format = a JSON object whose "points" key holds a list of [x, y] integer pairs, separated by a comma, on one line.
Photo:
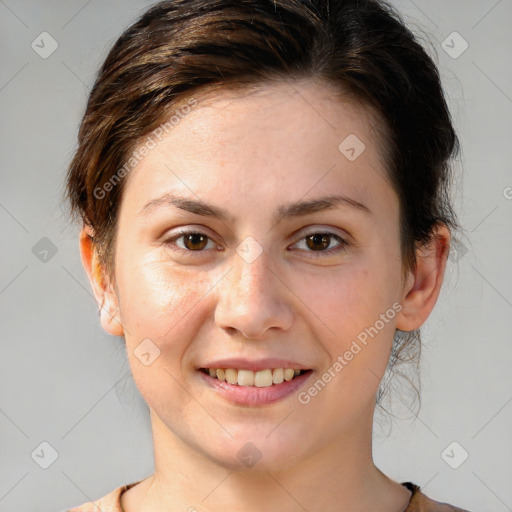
{"points": [[255, 366], [254, 396]]}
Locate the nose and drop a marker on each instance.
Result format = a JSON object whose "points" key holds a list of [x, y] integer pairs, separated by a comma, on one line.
{"points": [[253, 300]]}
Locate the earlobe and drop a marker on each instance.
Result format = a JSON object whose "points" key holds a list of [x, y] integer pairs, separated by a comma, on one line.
{"points": [[109, 318], [424, 284], [105, 296]]}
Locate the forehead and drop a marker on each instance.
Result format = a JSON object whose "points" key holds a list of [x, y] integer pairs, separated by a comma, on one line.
{"points": [[283, 111], [277, 139]]}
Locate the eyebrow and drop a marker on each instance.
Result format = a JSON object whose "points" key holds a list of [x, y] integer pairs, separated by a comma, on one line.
{"points": [[295, 209]]}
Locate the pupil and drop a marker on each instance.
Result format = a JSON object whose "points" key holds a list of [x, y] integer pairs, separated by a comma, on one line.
{"points": [[319, 238], [194, 239]]}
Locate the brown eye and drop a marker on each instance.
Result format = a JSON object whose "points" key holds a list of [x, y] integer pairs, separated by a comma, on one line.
{"points": [[318, 241], [195, 241], [190, 241], [320, 244]]}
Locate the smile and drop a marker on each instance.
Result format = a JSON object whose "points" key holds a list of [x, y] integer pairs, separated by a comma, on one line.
{"points": [[252, 388]]}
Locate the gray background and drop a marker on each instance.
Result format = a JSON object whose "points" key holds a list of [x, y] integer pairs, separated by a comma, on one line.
{"points": [[65, 382]]}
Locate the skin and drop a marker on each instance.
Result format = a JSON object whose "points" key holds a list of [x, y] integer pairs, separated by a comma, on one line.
{"points": [[250, 154]]}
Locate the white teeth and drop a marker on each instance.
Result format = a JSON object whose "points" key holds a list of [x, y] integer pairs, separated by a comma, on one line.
{"points": [[260, 379], [245, 377], [288, 374], [263, 378], [277, 376], [231, 376]]}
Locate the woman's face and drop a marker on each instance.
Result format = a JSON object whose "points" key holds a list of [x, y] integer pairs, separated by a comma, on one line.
{"points": [[255, 176]]}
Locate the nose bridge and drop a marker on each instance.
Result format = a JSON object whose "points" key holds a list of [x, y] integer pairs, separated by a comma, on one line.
{"points": [[250, 281], [251, 300], [252, 263]]}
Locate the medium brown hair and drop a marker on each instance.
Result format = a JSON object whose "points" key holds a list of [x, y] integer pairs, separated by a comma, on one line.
{"points": [[180, 48]]}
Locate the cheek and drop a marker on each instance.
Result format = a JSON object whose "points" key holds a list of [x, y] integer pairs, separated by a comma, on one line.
{"points": [[346, 299], [157, 297], [353, 308], [159, 303]]}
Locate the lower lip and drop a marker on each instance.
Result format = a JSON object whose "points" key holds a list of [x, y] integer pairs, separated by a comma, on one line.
{"points": [[252, 395]]}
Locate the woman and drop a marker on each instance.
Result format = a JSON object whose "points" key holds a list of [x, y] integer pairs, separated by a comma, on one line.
{"points": [[263, 188]]}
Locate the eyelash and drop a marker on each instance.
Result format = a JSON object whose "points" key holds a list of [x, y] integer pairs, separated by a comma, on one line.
{"points": [[343, 244]]}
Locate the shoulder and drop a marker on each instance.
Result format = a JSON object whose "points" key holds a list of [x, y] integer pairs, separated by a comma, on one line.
{"points": [[421, 503], [109, 503]]}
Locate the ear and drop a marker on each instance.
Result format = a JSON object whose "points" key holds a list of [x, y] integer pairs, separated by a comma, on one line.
{"points": [[424, 283], [103, 290]]}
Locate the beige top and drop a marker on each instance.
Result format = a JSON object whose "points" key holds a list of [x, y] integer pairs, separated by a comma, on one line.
{"points": [[418, 502]]}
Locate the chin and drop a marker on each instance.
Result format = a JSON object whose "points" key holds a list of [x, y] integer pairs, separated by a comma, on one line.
{"points": [[257, 453]]}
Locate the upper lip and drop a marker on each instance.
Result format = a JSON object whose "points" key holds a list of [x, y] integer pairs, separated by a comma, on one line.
{"points": [[254, 365]]}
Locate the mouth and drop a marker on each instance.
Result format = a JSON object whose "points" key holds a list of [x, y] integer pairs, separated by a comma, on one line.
{"points": [[261, 379], [254, 388]]}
